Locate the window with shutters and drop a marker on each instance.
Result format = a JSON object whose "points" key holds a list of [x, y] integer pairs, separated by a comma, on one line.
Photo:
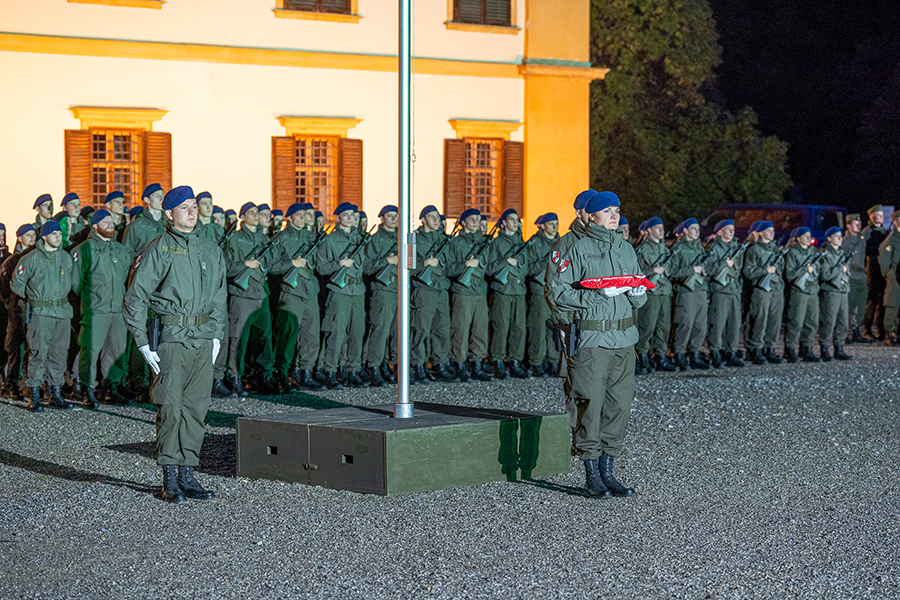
{"points": [[116, 165], [482, 186], [482, 12], [483, 173], [341, 7], [340, 11]]}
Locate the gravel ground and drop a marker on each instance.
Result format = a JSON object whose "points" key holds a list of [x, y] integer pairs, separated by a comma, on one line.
{"points": [[761, 482]]}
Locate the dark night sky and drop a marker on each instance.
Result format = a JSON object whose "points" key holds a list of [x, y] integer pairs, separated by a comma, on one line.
{"points": [[822, 75]]}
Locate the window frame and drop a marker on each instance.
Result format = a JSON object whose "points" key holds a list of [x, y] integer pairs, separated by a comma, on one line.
{"points": [[283, 12]]}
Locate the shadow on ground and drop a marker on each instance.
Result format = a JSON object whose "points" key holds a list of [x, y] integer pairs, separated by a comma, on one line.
{"points": [[218, 455]]}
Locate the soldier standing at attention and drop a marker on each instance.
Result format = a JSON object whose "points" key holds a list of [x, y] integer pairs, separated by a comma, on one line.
{"points": [[803, 297], [149, 225], [218, 217], [100, 273], [320, 220], [265, 219], [277, 220], [44, 207], [763, 269], [72, 224], [873, 235], [624, 230], [205, 221], [14, 338], [853, 243], [180, 277], [888, 259], [726, 288], [115, 204], [43, 278], [4, 254], [691, 301], [655, 317], [541, 345], [381, 270], [600, 381], [834, 283], [508, 307], [230, 217]]}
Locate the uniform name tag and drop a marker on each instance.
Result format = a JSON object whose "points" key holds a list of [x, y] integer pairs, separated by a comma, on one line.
{"points": [[174, 250]]}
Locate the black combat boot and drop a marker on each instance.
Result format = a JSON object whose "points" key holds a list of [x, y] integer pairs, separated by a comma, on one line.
{"points": [[790, 355], [806, 355], [237, 387], [171, 491], [219, 390], [612, 484], [855, 338], [284, 383], [88, 399], [375, 378], [190, 486], [839, 353], [593, 483], [681, 361], [664, 364], [35, 404], [639, 368], [444, 372], [478, 371], [15, 392], [462, 369], [418, 374], [715, 358], [772, 356], [733, 360], [500, 370], [387, 373], [757, 356], [697, 361], [538, 371], [547, 366], [354, 379], [648, 363], [305, 379], [268, 387], [113, 394], [516, 370], [823, 352], [56, 399], [331, 381]]}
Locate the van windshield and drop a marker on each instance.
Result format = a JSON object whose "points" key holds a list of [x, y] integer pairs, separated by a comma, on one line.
{"points": [[783, 218]]}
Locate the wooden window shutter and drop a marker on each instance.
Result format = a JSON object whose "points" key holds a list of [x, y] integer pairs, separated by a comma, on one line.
{"points": [[514, 176], [350, 171], [157, 159], [284, 172], [454, 177], [78, 164]]}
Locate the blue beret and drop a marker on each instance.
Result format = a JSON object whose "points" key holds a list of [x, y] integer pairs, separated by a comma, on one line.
{"points": [[386, 209], [277, 213], [133, 212], [688, 222], [546, 218], [600, 201], [296, 206], [623, 221], [582, 199], [469, 212], [218, 210], [831, 231], [754, 228], [507, 212], [246, 206], [343, 207], [176, 196], [41, 199], [306, 206], [722, 223], [153, 187], [678, 228], [49, 227], [262, 207], [99, 216], [2, 226], [799, 231], [24, 229], [86, 211], [425, 211], [443, 217], [112, 196], [362, 215], [653, 222], [202, 195], [319, 214], [230, 212], [58, 217], [69, 196], [763, 225], [642, 226]]}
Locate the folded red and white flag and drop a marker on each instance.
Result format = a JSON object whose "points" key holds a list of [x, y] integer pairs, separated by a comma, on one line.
{"points": [[632, 281]]}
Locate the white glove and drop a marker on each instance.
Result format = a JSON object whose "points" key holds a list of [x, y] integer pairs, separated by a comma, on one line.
{"points": [[151, 357], [614, 291], [637, 291], [216, 346]]}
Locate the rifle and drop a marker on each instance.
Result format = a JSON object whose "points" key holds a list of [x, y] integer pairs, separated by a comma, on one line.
{"points": [[503, 276], [340, 278], [228, 233], [465, 279], [804, 277], [766, 282], [691, 282], [661, 261], [722, 276], [384, 275], [424, 275], [839, 281], [243, 278], [290, 278]]}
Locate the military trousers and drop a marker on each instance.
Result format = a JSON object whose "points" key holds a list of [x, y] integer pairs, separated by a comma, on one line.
{"points": [[802, 320], [429, 323], [249, 317], [833, 318], [469, 328], [48, 347], [508, 327], [102, 338], [181, 392], [4, 318], [381, 340], [724, 322], [857, 301], [540, 338], [296, 333], [873, 318], [764, 319], [14, 344], [599, 391], [654, 321], [890, 319], [690, 319], [344, 322]]}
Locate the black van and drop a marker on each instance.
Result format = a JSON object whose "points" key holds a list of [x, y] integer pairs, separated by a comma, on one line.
{"points": [[785, 216]]}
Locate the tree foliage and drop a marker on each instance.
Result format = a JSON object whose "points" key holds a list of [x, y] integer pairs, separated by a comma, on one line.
{"points": [[656, 140]]}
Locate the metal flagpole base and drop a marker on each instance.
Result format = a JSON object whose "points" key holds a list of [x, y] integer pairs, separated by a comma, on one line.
{"points": [[403, 410]]}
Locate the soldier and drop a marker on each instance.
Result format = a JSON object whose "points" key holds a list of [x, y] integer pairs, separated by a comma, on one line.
{"points": [[873, 235], [320, 220], [691, 301], [44, 207], [230, 218], [507, 265], [624, 230], [150, 225], [763, 268], [100, 272], [888, 260], [600, 381], [4, 254], [180, 276], [115, 204], [248, 301], [542, 351], [205, 221], [309, 218], [802, 275], [218, 217], [277, 220], [834, 285], [72, 224], [133, 213], [466, 262], [363, 224], [43, 278], [381, 270], [655, 316], [14, 339], [725, 290], [430, 301], [265, 219], [297, 320], [853, 244]]}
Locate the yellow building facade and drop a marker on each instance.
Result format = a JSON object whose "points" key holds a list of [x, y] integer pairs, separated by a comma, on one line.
{"points": [[295, 100]]}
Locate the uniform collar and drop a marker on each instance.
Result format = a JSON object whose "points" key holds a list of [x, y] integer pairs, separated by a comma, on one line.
{"points": [[601, 234]]}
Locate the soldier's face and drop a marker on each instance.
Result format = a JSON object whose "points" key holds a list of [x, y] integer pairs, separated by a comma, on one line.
{"points": [[364, 223], [389, 220], [854, 226], [768, 234], [472, 223], [607, 218], [265, 217], [116, 206], [625, 231], [205, 207], [155, 200], [657, 232], [483, 226], [73, 207], [727, 233], [550, 228], [27, 240], [184, 216], [53, 240], [309, 217], [877, 217], [355, 222], [106, 228], [251, 217], [46, 210], [692, 232], [346, 219], [836, 240], [511, 223], [432, 221], [805, 239]]}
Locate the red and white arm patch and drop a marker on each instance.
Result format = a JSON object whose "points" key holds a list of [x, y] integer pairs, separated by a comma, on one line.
{"points": [[554, 257], [563, 266]]}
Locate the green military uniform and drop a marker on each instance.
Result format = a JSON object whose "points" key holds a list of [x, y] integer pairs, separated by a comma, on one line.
{"points": [[724, 299], [181, 278], [888, 259], [541, 345], [691, 303], [381, 341], [858, 291], [834, 286], [14, 339], [766, 308], [803, 302], [508, 316], [44, 279], [469, 311], [873, 319], [430, 304], [72, 229], [345, 307], [559, 249], [101, 271], [654, 317], [143, 230]]}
